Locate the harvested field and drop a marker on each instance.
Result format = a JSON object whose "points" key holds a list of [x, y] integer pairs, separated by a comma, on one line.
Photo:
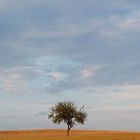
{"points": [[51, 134]]}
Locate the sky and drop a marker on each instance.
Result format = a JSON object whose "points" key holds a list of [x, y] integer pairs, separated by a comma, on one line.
{"points": [[85, 51]]}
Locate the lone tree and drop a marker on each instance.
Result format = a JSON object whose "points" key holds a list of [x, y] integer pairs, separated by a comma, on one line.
{"points": [[68, 113]]}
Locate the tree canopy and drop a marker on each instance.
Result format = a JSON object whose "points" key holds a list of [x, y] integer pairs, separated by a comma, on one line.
{"points": [[68, 113]]}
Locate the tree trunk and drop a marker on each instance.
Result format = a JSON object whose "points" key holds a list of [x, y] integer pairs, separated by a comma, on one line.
{"points": [[68, 130]]}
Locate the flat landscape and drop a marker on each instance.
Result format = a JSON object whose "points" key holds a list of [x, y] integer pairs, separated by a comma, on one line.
{"points": [[53, 134]]}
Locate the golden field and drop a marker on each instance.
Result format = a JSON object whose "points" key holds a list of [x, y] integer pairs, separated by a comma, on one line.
{"points": [[51, 134]]}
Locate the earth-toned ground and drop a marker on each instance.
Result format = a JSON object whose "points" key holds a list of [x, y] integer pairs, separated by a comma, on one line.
{"points": [[51, 134]]}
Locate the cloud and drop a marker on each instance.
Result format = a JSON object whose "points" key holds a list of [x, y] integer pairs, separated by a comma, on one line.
{"points": [[121, 30], [57, 75], [131, 23], [14, 83], [90, 71], [117, 98]]}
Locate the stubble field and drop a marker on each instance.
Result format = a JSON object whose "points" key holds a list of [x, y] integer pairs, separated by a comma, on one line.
{"points": [[74, 135]]}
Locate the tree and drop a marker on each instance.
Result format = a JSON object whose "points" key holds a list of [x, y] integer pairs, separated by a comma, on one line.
{"points": [[68, 113]]}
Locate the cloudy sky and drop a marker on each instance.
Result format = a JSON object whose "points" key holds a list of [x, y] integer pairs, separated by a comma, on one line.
{"points": [[86, 51]]}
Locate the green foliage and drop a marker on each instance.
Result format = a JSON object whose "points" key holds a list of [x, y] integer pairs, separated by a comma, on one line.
{"points": [[68, 113]]}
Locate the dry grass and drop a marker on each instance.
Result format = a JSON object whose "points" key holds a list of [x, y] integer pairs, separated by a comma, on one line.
{"points": [[74, 135]]}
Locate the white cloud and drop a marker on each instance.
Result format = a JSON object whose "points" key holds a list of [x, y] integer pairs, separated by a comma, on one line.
{"points": [[90, 71], [125, 28], [15, 84], [86, 73], [57, 75], [118, 98], [131, 23], [128, 93]]}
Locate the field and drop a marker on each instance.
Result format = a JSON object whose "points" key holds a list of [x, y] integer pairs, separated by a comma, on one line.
{"points": [[47, 134]]}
